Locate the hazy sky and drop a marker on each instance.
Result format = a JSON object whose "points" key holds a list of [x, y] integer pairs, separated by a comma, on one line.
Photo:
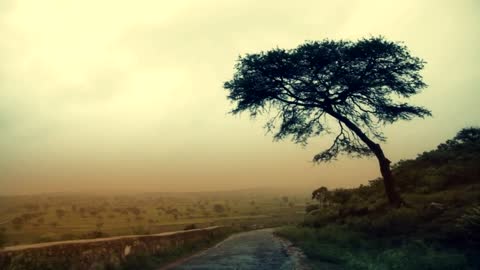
{"points": [[104, 94]]}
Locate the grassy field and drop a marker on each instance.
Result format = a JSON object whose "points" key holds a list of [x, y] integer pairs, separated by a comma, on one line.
{"points": [[53, 217]]}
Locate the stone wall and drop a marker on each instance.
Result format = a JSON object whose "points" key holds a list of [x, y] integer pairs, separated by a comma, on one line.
{"points": [[101, 253]]}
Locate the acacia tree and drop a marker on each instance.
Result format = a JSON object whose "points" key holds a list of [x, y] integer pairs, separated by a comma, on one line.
{"points": [[346, 88]]}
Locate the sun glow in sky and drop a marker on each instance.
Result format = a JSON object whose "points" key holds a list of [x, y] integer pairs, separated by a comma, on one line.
{"points": [[127, 95]]}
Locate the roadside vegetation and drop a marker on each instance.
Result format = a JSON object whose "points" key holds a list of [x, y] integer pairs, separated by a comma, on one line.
{"points": [[438, 228]]}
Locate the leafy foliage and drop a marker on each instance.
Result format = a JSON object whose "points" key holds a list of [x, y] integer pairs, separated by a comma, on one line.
{"points": [[470, 223], [352, 83], [453, 163]]}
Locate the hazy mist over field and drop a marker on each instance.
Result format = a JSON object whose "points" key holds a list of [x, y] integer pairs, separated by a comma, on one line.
{"points": [[127, 95]]}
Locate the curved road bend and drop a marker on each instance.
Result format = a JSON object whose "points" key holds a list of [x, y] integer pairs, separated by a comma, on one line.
{"points": [[255, 250]]}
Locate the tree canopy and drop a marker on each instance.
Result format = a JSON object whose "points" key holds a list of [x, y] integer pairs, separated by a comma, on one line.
{"points": [[363, 82]]}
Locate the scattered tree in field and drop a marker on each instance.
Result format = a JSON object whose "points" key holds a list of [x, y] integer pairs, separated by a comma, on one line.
{"points": [[60, 213], [218, 208], [99, 225], [285, 199], [17, 223], [356, 86], [134, 210]]}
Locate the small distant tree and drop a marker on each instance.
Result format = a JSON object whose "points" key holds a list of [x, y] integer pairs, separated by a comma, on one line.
{"points": [[218, 208], [355, 86], [135, 211], [99, 225], [285, 199], [40, 220], [17, 223], [60, 213], [321, 195]]}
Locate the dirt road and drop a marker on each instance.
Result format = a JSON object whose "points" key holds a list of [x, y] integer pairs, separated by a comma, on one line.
{"points": [[256, 250]]}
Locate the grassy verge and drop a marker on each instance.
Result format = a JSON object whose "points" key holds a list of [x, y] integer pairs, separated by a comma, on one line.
{"points": [[359, 251]]}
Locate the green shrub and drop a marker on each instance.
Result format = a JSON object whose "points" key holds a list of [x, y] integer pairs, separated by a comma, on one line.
{"points": [[320, 217], [411, 256], [341, 196], [435, 182], [397, 221], [359, 223], [469, 223]]}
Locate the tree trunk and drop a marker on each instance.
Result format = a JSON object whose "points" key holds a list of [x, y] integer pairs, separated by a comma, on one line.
{"points": [[388, 179]]}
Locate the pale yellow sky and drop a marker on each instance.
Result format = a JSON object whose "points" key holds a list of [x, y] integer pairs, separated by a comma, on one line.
{"points": [[103, 94]]}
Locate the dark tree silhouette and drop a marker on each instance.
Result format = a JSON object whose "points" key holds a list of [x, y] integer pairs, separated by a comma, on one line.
{"points": [[355, 86], [218, 208], [321, 195]]}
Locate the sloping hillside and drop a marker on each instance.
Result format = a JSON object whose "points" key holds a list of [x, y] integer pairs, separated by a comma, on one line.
{"points": [[442, 217]]}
